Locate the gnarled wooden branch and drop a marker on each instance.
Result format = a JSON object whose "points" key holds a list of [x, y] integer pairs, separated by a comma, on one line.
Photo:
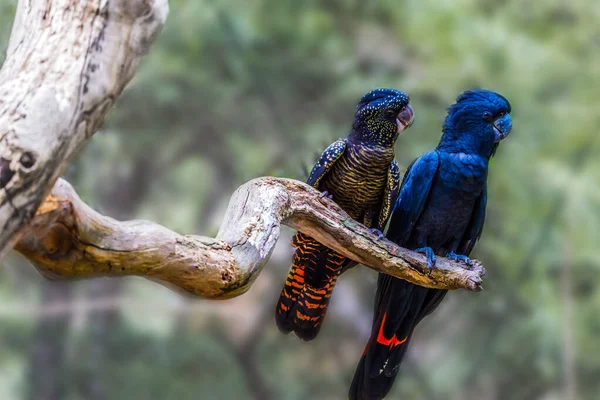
{"points": [[67, 62], [68, 239]]}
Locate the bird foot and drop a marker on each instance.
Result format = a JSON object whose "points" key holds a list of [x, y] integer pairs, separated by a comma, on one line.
{"points": [[428, 251], [458, 258], [378, 233], [326, 194]]}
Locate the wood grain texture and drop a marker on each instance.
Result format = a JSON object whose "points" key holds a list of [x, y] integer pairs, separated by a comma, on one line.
{"points": [[67, 239], [67, 62]]}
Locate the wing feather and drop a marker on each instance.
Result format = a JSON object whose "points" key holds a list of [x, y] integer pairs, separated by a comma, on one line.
{"points": [[326, 161]]}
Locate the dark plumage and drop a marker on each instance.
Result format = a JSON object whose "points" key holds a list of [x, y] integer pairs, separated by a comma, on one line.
{"points": [[440, 210], [363, 178]]}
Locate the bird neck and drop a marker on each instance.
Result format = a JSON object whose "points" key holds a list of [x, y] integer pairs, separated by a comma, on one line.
{"points": [[358, 147], [476, 143], [364, 137]]}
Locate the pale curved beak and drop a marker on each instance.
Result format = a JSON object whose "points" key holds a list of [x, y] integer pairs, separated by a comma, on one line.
{"points": [[405, 118], [502, 127]]}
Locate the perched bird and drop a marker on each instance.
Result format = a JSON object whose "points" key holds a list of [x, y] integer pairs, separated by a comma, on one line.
{"points": [[361, 175], [440, 211]]}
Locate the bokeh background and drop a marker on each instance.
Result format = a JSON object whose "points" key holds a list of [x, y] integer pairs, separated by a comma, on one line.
{"points": [[233, 90]]}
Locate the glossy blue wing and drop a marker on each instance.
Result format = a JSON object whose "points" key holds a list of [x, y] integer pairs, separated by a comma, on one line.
{"points": [[414, 192], [475, 226]]}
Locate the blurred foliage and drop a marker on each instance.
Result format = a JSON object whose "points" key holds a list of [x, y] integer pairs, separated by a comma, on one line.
{"points": [[233, 90]]}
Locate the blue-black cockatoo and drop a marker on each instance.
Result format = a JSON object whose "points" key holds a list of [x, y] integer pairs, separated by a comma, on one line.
{"points": [[440, 211]]}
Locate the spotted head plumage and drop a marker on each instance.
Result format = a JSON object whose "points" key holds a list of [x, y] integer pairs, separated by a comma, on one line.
{"points": [[381, 115], [476, 123]]}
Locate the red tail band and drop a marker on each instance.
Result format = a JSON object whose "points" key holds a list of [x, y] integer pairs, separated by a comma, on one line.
{"points": [[391, 342]]}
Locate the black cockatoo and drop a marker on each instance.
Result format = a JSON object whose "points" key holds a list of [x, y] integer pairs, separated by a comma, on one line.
{"points": [[440, 211], [361, 175]]}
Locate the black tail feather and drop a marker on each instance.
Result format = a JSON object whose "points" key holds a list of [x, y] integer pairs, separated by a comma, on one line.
{"points": [[365, 388], [400, 306]]}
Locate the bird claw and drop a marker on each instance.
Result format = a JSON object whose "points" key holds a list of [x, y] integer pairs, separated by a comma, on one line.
{"points": [[459, 258], [428, 251], [378, 233], [326, 194]]}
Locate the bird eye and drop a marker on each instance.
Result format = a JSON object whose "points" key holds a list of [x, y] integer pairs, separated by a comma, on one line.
{"points": [[390, 112], [487, 116]]}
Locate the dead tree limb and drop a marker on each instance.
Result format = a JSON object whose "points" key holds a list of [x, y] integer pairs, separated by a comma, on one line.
{"points": [[67, 239], [67, 62]]}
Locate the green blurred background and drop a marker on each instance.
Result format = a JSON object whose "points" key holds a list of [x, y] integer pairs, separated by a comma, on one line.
{"points": [[233, 90]]}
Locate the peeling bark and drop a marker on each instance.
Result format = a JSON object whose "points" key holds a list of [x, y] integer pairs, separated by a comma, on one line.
{"points": [[67, 239], [67, 62]]}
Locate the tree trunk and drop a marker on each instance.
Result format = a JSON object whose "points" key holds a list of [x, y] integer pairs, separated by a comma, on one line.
{"points": [[67, 62]]}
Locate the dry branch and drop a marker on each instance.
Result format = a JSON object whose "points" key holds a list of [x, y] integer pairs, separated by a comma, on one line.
{"points": [[67, 62], [67, 239]]}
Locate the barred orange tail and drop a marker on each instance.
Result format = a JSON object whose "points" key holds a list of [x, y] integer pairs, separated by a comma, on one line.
{"points": [[304, 299]]}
